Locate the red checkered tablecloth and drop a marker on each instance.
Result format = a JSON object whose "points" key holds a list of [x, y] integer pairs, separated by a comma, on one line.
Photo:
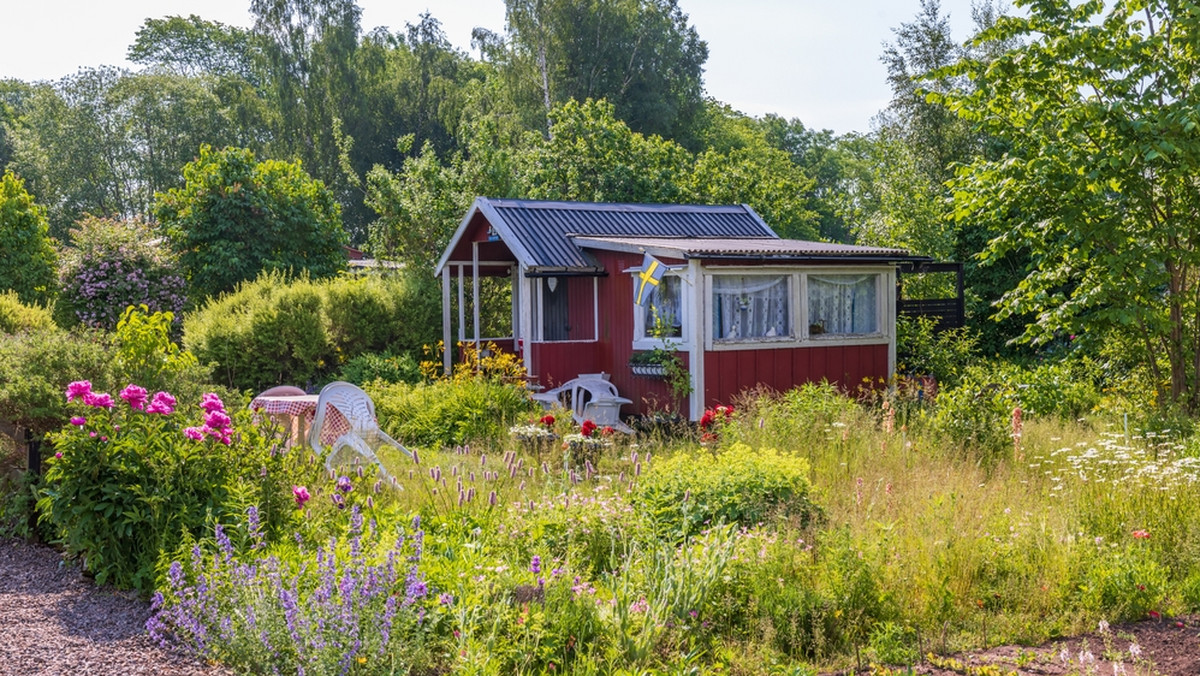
{"points": [[304, 407]]}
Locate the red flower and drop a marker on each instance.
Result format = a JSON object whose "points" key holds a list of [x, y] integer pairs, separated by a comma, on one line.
{"points": [[1141, 534], [587, 428], [607, 431], [706, 420], [547, 420]]}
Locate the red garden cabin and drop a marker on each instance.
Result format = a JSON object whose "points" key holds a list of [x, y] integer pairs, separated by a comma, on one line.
{"points": [[739, 306]]}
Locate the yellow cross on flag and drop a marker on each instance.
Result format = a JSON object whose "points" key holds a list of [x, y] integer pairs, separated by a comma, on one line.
{"points": [[652, 272]]}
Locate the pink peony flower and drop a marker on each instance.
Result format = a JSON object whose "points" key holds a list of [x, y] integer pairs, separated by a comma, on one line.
{"points": [[79, 421], [217, 420], [78, 389], [194, 433], [211, 402], [102, 400], [58, 456], [135, 396], [162, 403], [301, 495]]}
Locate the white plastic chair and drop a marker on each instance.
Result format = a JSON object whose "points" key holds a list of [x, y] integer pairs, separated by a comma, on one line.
{"points": [[591, 398], [364, 436]]}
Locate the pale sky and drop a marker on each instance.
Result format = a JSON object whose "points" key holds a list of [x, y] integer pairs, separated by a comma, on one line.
{"points": [[817, 60]]}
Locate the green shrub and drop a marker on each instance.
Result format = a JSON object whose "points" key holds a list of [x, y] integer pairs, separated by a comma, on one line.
{"points": [[366, 368], [275, 330], [1124, 585], [449, 412], [975, 417], [27, 256], [113, 265], [16, 317], [126, 484], [799, 415], [1067, 389], [684, 494], [922, 351], [36, 367], [145, 354]]}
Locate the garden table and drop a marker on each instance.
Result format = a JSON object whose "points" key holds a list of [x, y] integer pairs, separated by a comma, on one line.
{"points": [[300, 411]]}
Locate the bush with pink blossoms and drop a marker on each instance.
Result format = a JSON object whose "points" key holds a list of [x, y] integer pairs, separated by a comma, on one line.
{"points": [[112, 265], [133, 473]]}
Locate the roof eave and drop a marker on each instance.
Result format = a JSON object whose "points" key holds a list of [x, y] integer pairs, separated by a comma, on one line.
{"points": [[809, 258]]}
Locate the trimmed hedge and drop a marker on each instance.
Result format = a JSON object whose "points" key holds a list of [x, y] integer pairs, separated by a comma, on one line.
{"points": [[274, 330]]}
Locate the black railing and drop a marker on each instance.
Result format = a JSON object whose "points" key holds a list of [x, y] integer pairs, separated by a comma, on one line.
{"points": [[946, 313]]}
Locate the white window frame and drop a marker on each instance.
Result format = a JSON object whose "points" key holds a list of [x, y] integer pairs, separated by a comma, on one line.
{"points": [[680, 343], [885, 277]]}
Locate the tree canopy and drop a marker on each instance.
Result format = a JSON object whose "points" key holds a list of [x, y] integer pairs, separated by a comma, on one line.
{"points": [[27, 257], [235, 217], [1098, 185]]}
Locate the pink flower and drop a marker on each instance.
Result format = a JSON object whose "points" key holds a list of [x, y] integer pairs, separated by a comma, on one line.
{"points": [[135, 396], [301, 494], [194, 433], [92, 434], [217, 420], [211, 402], [102, 400], [162, 403], [58, 456], [78, 389], [79, 421]]}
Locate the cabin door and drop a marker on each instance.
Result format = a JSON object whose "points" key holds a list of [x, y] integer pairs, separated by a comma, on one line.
{"points": [[555, 322]]}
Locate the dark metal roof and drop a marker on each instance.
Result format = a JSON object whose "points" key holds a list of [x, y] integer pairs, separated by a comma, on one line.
{"points": [[539, 233], [743, 249]]}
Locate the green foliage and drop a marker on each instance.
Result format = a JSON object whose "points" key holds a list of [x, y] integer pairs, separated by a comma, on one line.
{"points": [[1095, 186], [236, 217], [922, 351], [119, 498], [144, 353], [739, 486], [448, 412], [1126, 585], [273, 331], [975, 416], [369, 367], [112, 265], [648, 64], [17, 317], [36, 367], [26, 256]]}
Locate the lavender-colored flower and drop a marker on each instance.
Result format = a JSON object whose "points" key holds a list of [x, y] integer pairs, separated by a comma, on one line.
{"points": [[535, 564], [344, 485], [338, 500]]}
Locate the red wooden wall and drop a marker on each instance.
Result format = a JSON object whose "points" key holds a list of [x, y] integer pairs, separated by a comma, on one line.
{"points": [[728, 373], [581, 317]]}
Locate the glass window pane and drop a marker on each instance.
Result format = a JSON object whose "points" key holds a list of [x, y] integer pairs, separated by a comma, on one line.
{"points": [[843, 304], [662, 315], [751, 307]]}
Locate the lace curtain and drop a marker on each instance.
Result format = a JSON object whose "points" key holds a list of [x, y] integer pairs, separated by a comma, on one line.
{"points": [[844, 304], [750, 307]]}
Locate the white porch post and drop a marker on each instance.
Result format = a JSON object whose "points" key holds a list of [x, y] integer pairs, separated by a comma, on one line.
{"points": [[526, 315], [515, 275], [462, 307], [696, 353], [475, 292], [447, 351]]}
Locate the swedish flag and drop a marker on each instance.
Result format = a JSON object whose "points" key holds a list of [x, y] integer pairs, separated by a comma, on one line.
{"points": [[649, 277]]}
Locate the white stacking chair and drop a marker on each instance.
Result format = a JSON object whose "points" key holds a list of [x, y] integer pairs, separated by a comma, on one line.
{"points": [[364, 436], [591, 398]]}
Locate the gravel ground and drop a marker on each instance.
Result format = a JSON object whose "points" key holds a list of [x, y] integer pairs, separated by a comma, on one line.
{"points": [[55, 621]]}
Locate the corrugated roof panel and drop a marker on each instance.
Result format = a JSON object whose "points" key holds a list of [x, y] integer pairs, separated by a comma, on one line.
{"points": [[718, 247], [543, 226]]}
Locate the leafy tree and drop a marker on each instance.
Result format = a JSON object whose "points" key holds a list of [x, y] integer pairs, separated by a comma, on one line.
{"points": [[194, 47], [822, 158], [1098, 183], [26, 254], [103, 141], [764, 178], [641, 55], [236, 217]]}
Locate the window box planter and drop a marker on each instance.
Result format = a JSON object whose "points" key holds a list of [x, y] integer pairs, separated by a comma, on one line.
{"points": [[649, 370]]}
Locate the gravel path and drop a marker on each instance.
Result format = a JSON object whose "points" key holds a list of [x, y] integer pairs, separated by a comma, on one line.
{"points": [[54, 621]]}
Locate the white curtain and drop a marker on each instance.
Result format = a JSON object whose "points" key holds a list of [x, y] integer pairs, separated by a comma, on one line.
{"points": [[842, 304], [754, 306]]}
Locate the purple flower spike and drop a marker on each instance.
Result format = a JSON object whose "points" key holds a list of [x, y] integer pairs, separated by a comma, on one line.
{"points": [[344, 485]]}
